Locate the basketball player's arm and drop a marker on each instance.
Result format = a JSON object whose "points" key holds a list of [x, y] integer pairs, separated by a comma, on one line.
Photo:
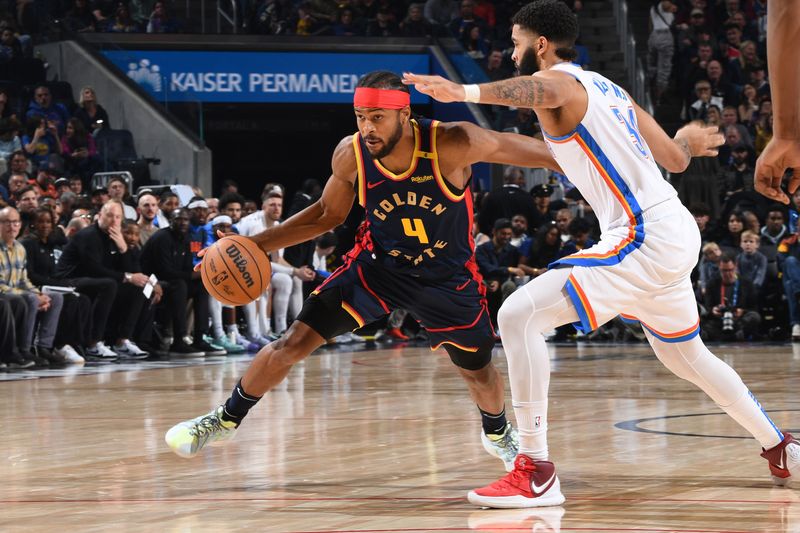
{"points": [[324, 214], [547, 89], [470, 144], [783, 150], [690, 141]]}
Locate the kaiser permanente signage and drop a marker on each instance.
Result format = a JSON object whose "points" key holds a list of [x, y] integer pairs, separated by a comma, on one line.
{"points": [[275, 77]]}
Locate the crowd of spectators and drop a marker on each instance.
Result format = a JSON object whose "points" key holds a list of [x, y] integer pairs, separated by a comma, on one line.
{"points": [[124, 262]]}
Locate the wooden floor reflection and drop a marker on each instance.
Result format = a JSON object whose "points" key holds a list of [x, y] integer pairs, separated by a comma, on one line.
{"points": [[388, 440]]}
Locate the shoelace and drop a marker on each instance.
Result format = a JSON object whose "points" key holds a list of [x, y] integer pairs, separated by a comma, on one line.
{"points": [[506, 443], [205, 428], [519, 477]]}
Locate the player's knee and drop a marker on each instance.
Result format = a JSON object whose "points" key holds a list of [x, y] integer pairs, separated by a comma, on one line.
{"points": [[483, 378], [291, 348], [514, 311]]}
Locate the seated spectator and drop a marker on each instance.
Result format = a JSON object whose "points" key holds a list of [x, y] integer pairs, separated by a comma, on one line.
{"points": [[122, 22], [763, 132], [519, 235], [541, 199], [43, 247], [17, 164], [80, 19], [272, 17], [748, 105], [230, 204], [384, 25], [118, 190], [346, 24], [440, 12], [9, 141], [76, 184], [732, 302], [5, 108], [751, 263], [563, 218], [79, 149], [495, 66], [91, 114], [213, 209], [43, 107], [702, 216], [757, 76], [698, 110], [167, 203], [477, 236], [167, 255], [249, 207], [731, 234], [10, 46], [99, 251], [473, 41], [309, 192], [545, 249], [27, 203], [148, 210], [16, 184], [286, 284], [161, 20], [99, 197], [498, 262], [579, 237], [458, 25], [415, 24], [730, 118], [774, 231], [41, 139], [15, 285], [737, 176], [198, 228], [224, 331], [46, 176]]}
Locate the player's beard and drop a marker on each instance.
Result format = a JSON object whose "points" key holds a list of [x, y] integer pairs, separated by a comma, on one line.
{"points": [[528, 63], [390, 143]]}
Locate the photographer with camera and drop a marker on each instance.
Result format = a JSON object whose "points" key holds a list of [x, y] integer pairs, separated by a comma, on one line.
{"points": [[731, 302]]}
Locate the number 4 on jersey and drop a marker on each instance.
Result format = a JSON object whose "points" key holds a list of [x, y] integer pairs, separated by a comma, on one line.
{"points": [[413, 227]]}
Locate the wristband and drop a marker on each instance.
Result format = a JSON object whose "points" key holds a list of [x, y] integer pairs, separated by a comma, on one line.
{"points": [[472, 93]]}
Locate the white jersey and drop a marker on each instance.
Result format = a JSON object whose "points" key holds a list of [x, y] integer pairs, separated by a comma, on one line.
{"points": [[607, 158]]}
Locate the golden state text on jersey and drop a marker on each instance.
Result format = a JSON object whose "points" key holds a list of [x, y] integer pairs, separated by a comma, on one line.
{"points": [[416, 222]]}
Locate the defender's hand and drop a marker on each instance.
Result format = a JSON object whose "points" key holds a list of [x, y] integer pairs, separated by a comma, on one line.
{"points": [[778, 155], [701, 141], [436, 87]]}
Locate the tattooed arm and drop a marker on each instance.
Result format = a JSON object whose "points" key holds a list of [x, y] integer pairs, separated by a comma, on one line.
{"points": [[545, 89], [690, 141]]}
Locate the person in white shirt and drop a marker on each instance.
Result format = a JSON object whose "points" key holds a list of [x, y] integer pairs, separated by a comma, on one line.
{"points": [[661, 45], [287, 282]]}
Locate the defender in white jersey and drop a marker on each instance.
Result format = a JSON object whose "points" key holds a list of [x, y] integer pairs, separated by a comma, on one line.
{"points": [[608, 147]]}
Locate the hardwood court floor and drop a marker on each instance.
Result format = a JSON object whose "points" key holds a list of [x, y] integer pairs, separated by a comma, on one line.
{"points": [[387, 440]]}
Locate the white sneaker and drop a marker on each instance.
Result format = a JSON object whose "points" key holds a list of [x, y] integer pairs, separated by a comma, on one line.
{"points": [[796, 332], [190, 436], [505, 447], [69, 354], [128, 350], [101, 351], [784, 461]]}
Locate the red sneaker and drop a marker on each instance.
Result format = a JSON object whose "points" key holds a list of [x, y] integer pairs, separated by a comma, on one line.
{"points": [[530, 484], [784, 460], [396, 334]]}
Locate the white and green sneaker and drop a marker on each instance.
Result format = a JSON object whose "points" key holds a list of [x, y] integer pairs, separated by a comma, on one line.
{"points": [[227, 345], [504, 446], [190, 436]]}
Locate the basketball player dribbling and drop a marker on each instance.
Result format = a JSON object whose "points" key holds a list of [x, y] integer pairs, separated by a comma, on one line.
{"points": [[608, 147], [414, 251]]}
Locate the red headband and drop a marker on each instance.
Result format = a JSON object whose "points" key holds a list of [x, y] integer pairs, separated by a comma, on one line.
{"points": [[381, 98]]}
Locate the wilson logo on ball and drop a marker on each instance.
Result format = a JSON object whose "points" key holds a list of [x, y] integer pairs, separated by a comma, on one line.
{"points": [[240, 263]]}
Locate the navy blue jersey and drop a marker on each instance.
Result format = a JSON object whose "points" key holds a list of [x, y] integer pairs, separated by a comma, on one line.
{"points": [[416, 223]]}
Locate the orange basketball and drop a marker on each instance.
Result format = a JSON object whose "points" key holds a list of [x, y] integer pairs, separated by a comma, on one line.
{"points": [[235, 270]]}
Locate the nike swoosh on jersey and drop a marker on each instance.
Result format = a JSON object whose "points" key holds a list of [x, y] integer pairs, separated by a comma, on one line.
{"points": [[373, 185], [538, 490]]}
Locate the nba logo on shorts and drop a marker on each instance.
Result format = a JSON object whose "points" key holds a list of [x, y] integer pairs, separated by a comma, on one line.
{"points": [[537, 422]]}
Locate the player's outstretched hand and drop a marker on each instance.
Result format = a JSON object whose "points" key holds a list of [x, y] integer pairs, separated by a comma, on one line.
{"points": [[778, 155], [436, 87], [701, 141]]}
